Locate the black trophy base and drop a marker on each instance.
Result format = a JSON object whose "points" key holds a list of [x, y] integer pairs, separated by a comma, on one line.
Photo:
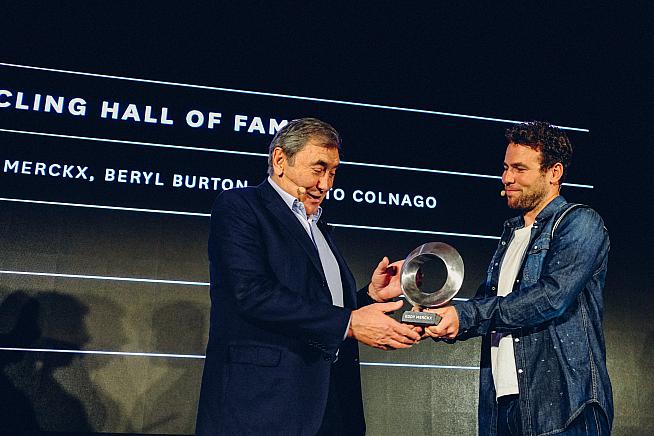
{"points": [[420, 318]]}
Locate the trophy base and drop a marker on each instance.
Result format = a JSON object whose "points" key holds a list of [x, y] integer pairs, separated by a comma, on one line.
{"points": [[420, 318]]}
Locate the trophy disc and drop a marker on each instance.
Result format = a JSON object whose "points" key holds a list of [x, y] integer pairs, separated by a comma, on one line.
{"points": [[410, 276]]}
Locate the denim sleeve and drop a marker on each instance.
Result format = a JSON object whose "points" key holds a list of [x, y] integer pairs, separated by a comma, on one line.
{"points": [[471, 331], [577, 251]]}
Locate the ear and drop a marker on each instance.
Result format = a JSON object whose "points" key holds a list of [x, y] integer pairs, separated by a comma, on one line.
{"points": [[556, 173], [278, 161]]}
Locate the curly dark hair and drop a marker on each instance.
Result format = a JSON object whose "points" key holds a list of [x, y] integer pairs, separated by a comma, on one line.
{"points": [[551, 141]]}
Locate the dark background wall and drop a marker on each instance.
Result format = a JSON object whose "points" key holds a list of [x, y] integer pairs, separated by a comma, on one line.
{"points": [[134, 348]]}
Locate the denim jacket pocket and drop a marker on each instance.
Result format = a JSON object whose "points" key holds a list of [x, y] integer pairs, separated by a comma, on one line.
{"points": [[533, 262], [539, 245]]}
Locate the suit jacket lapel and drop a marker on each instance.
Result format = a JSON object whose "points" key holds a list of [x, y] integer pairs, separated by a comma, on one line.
{"points": [[347, 279], [289, 222]]}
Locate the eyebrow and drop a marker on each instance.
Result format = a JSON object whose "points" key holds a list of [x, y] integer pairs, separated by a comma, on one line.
{"points": [[516, 164], [324, 164]]}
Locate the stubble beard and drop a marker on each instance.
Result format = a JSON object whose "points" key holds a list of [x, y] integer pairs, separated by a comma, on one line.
{"points": [[531, 200]]}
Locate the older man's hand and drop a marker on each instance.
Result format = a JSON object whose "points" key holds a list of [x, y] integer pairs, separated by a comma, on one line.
{"points": [[371, 326], [385, 281]]}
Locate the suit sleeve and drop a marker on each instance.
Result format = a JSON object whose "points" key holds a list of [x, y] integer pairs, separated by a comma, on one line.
{"points": [[241, 260], [573, 258], [363, 299]]}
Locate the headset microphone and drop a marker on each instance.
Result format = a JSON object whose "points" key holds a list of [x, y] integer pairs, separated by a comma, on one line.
{"points": [[502, 193]]}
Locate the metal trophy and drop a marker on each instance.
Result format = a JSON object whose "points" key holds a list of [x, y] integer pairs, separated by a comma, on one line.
{"points": [[411, 281]]}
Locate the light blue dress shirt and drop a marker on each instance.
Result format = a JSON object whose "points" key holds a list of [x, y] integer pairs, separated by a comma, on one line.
{"points": [[327, 258]]}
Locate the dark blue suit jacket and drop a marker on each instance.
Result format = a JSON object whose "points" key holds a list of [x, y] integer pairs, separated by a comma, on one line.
{"points": [[274, 332]]}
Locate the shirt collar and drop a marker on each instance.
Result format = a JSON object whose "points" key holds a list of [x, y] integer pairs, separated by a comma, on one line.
{"points": [[551, 208], [293, 203]]}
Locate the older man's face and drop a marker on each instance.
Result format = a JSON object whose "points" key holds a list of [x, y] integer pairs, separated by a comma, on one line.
{"points": [[313, 169]]}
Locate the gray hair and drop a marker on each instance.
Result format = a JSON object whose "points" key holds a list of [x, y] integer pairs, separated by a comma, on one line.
{"points": [[294, 136]]}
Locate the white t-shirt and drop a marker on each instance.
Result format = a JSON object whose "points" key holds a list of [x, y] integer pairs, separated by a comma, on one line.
{"points": [[502, 356]]}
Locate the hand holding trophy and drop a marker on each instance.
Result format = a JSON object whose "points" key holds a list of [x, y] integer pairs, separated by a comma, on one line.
{"points": [[412, 281]]}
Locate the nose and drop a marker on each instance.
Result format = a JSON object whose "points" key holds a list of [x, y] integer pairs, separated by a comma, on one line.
{"points": [[325, 182], [507, 177]]}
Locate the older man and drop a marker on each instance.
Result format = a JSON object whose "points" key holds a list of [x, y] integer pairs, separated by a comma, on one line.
{"points": [[543, 361], [282, 357]]}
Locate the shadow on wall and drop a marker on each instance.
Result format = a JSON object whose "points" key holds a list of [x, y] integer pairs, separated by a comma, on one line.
{"points": [[92, 378], [35, 386], [16, 410], [170, 403]]}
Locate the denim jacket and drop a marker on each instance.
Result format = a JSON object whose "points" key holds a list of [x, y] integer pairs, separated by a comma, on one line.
{"points": [[554, 314]]}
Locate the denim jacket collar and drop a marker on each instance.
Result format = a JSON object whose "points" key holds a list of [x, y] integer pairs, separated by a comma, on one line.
{"points": [[549, 210]]}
